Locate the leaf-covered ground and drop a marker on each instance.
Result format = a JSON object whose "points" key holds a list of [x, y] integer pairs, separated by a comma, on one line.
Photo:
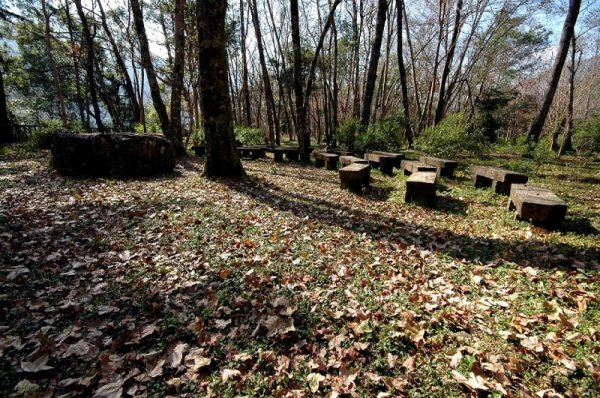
{"points": [[287, 286]]}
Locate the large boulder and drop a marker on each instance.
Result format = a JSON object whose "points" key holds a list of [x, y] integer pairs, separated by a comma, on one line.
{"points": [[111, 154]]}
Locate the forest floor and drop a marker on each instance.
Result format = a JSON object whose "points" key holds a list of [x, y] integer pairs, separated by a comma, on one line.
{"points": [[287, 286]]}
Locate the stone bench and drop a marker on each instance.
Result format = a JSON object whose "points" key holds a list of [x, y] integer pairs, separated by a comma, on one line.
{"points": [[537, 205], [341, 151], [347, 160], [328, 159], [253, 152], [355, 176], [445, 167], [499, 179], [420, 187], [412, 166], [398, 156], [291, 153], [385, 163]]}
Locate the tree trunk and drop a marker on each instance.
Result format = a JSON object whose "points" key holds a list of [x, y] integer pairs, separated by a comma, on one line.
{"points": [[128, 85], [270, 102], [373, 63], [222, 159], [55, 75], [89, 65], [79, 96], [567, 143], [5, 124], [301, 117], [563, 48], [404, 86], [245, 89], [159, 105], [441, 105], [177, 77]]}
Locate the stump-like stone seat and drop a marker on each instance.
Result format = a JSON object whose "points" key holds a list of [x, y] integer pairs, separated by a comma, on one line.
{"points": [[291, 153], [347, 160], [355, 176], [537, 204], [385, 163], [398, 156], [199, 150], [111, 154], [421, 188], [341, 151], [499, 179], [252, 151], [413, 166], [444, 167], [326, 159]]}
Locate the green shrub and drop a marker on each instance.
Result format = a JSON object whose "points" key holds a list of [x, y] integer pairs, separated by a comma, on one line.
{"points": [[345, 134], [42, 137], [385, 135], [197, 136], [249, 135], [586, 138], [452, 136]]}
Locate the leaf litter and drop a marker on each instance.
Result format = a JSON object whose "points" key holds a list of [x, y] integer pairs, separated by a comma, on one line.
{"points": [[286, 286]]}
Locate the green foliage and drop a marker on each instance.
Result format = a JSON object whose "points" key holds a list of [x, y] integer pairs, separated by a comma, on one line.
{"points": [[345, 134], [249, 135], [42, 137], [586, 139], [542, 154], [384, 135], [452, 136], [152, 122], [197, 136]]}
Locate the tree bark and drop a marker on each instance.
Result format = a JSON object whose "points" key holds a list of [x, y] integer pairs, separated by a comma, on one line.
{"points": [[159, 104], [177, 77], [79, 96], [567, 143], [55, 75], [245, 89], [567, 33], [88, 43], [373, 63], [5, 124], [270, 102], [128, 85], [222, 159], [301, 117], [403, 84]]}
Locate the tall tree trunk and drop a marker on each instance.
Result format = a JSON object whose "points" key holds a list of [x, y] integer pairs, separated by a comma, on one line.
{"points": [[159, 105], [563, 48], [373, 62], [301, 117], [403, 84], [5, 124], [128, 85], [245, 89], [177, 77], [222, 159], [270, 102], [356, 34], [567, 143], [55, 75], [79, 96], [89, 65], [441, 104]]}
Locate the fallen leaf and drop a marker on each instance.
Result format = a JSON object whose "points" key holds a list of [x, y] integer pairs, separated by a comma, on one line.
{"points": [[314, 381], [36, 366]]}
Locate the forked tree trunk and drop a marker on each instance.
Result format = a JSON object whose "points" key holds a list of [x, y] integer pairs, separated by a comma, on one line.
{"points": [[128, 85], [270, 102], [301, 117], [55, 75], [222, 159], [373, 63], [177, 77], [88, 43], [563, 48], [159, 104], [403, 84]]}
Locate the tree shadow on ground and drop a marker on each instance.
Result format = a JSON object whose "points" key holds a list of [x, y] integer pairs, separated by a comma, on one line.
{"points": [[579, 225], [443, 241]]}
